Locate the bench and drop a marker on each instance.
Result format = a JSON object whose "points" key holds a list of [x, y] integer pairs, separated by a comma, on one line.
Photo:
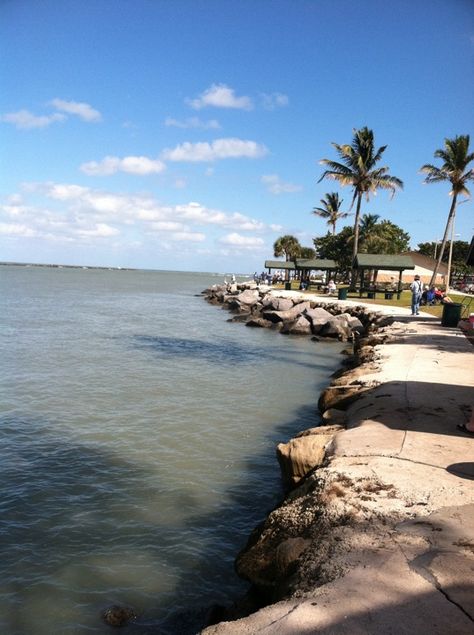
{"points": [[371, 293]]}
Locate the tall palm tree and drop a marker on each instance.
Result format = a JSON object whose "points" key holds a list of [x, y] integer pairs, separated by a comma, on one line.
{"points": [[330, 210], [456, 158], [288, 246], [358, 170]]}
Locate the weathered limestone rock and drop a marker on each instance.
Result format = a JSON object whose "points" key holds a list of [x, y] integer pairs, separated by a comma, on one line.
{"points": [[259, 322], [337, 327], [339, 397], [248, 297], [287, 316], [318, 318], [288, 552], [335, 416], [301, 455], [301, 326], [277, 304]]}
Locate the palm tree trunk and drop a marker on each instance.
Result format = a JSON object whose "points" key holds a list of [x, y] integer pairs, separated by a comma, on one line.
{"points": [[443, 244], [356, 241]]}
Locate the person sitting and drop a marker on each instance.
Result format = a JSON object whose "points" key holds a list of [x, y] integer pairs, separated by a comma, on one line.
{"points": [[429, 297], [331, 287]]}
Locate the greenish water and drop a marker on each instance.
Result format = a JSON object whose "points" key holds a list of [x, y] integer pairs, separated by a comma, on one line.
{"points": [[137, 445]]}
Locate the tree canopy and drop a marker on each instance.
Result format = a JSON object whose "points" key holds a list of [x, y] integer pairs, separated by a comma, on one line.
{"points": [[288, 246]]}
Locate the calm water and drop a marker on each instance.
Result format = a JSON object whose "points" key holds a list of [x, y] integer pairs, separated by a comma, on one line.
{"points": [[137, 435]]}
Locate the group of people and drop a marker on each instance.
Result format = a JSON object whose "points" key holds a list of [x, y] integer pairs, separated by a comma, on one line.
{"points": [[267, 278]]}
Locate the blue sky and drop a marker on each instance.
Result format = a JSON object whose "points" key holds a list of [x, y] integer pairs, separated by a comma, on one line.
{"points": [[187, 134]]}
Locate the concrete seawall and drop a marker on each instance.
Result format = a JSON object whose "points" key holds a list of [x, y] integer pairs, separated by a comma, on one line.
{"points": [[383, 533]]}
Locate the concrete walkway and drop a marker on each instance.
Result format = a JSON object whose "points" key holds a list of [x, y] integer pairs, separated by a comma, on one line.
{"points": [[412, 570]]}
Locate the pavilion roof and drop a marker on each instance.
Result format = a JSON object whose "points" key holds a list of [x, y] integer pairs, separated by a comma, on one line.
{"points": [[315, 263], [279, 264], [389, 262]]}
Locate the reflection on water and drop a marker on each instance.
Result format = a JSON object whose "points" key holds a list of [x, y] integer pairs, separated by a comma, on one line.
{"points": [[136, 445]]}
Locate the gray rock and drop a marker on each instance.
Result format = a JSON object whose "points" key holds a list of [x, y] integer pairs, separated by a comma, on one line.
{"points": [[287, 316], [278, 304], [318, 318], [337, 327], [301, 326], [248, 297], [259, 322]]}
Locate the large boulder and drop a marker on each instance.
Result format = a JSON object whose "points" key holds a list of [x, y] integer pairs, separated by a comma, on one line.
{"points": [[273, 303], [259, 322], [301, 455], [318, 318], [301, 326], [287, 316], [248, 297], [337, 327]]}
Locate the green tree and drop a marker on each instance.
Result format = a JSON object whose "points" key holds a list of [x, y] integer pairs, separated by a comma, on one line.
{"points": [[307, 252], [288, 246], [381, 237], [358, 169], [336, 247], [330, 209], [456, 158]]}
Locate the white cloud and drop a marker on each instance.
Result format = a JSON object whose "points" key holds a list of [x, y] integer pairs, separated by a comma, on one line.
{"points": [[271, 101], [82, 110], [168, 226], [71, 214], [61, 191], [220, 96], [230, 148], [194, 237], [16, 229], [100, 230], [131, 165], [25, 120], [275, 185], [236, 240], [193, 122]]}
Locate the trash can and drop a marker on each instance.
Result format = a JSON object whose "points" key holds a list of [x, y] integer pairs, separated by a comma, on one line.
{"points": [[388, 295], [371, 295], [451, 314], [342, 293], [287, 286]]}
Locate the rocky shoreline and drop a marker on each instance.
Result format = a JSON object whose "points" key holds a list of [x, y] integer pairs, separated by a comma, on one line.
{"points": [[273, 560], [376, 532]]}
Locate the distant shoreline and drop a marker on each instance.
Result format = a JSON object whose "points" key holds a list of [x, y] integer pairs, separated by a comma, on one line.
{"points": [[53, 266]]}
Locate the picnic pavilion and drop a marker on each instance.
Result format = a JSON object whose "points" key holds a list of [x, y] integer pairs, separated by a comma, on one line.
{"points": [[373, 263]]}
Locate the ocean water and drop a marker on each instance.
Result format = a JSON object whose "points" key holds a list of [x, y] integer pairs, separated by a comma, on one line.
{"points": [[137, 445]]}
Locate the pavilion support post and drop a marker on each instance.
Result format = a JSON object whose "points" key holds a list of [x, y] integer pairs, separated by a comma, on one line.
{"points": [[399, 287]]}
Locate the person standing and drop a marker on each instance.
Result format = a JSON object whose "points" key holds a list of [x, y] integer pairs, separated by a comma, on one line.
{"points": [[416, 291]]}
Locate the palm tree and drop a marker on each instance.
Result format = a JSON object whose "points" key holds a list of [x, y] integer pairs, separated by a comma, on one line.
{"points": [[287, 246], [330, 210], [358, 170], [456, 158]]}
